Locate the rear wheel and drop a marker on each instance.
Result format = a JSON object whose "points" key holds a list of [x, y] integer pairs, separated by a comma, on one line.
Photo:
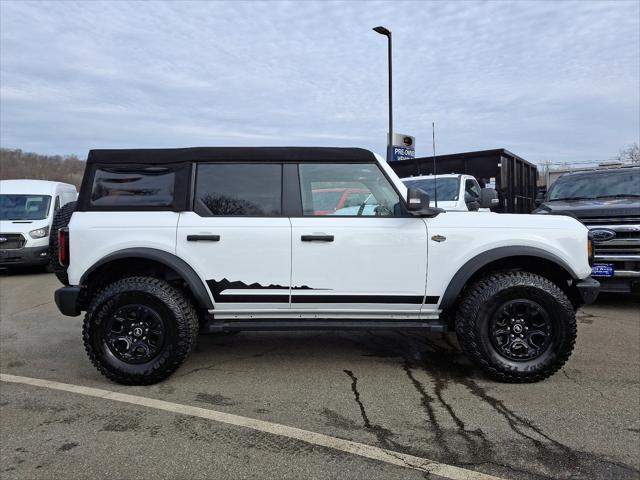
{"points": [[139, 330], [60, 220], [518, 326]]}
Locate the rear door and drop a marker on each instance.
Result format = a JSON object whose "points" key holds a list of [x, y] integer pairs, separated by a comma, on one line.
{"points": [[361, 260], [237, 238]]}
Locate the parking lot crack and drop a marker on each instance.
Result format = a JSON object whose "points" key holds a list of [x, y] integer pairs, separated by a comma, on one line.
{"points": [[575, 380], [32, 307], [356, 394], [427, 401], [520, 424], [383, 435]]}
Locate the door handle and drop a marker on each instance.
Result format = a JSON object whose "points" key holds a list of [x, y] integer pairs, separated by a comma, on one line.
{"points": [[201, 238], [317, 238]]}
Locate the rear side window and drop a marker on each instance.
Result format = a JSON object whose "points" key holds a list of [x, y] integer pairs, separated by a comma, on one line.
{"points": [[133, 187], [238, 190]]}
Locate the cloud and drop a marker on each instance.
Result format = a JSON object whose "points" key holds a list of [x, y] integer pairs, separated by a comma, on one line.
{"points": [[548, 80]]}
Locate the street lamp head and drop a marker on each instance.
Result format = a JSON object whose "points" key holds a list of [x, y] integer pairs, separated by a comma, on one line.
{"points": [[382, 31]]}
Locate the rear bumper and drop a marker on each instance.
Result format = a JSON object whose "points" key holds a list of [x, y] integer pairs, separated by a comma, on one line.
{"points": [[588, 288], [24, 257], [66, 299]]}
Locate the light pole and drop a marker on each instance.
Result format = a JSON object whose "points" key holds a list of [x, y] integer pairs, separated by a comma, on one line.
{"points": [[387, 33]]}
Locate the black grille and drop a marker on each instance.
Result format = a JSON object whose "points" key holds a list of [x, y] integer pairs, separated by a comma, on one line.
{"points": [[623, 250], [11, 241]]}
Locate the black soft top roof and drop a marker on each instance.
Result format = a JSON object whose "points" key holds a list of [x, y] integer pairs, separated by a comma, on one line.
{"points": [[230, 154]]}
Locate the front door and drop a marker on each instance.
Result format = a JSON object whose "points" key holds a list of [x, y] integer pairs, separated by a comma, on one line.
{"points": [[236, 237], [358, 260]]}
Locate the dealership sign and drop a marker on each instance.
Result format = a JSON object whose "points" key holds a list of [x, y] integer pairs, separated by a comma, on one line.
{"points": [[404, 147]]}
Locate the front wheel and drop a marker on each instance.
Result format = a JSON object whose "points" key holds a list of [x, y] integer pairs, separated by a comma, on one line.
{"points": [[518, 326], [139, 330]]}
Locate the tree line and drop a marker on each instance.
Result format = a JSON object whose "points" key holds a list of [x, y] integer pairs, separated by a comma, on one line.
{"points": [[19, 164], [70, 168]]}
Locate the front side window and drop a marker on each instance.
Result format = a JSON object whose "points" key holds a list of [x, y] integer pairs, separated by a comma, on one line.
{"points": [[226, 189], [24, 207], [347, 190], [133, 187]]}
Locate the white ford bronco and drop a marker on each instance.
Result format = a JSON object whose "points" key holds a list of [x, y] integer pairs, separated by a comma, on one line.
{"points": [[165, 243]]}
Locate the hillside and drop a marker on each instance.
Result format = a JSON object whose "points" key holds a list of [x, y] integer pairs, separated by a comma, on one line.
{"points": [[19, 164]]}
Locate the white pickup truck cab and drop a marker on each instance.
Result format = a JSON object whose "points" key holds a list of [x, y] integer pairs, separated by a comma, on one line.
{"points": [[169, 242], [456, 192], [27, 208]]}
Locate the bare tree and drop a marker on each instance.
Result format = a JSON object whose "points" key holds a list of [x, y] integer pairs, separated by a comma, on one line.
{"points": [[630, 154], [19, 164]]}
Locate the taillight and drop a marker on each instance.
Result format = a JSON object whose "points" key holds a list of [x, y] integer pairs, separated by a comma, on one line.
{"points": [[63, 246]]}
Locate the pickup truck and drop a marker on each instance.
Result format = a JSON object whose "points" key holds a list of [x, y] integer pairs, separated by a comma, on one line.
{"points": [[166, 243], [607, 201], [456, 192]]}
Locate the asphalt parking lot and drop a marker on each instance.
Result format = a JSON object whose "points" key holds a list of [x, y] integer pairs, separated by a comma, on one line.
{"points": [[409, 393]]}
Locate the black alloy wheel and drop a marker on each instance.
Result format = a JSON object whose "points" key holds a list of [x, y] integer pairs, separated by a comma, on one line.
{"points": [[135, 333], [521, 330]]}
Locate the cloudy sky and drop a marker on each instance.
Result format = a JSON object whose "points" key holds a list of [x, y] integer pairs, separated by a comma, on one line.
{"points": [[555, 81]]}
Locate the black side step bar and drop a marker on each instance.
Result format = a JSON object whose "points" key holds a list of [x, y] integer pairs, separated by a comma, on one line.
{"points": [[215, 326]]}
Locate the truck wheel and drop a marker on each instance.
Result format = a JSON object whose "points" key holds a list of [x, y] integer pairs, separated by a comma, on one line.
{"points": [[139, 330], [60, 220], [518, 326]]}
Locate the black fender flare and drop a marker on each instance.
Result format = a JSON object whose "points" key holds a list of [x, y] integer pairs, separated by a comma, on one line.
{"points": [[182, 268], [467, 270]]}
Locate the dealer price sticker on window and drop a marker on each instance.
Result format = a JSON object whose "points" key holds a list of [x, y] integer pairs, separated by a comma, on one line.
{"points": [[602, 270]]}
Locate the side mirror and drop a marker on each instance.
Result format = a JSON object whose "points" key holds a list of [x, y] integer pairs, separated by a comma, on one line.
{"points": [[471, 201], [488, 198], [417, 199], [539, 199], [418, 203]]}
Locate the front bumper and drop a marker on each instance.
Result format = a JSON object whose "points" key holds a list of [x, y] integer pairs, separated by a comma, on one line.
{"points": [[588, 288], [66, 299], [24, 257]]}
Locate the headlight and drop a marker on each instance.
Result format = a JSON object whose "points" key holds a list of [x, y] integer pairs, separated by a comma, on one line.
{"points": [[39, 232]]}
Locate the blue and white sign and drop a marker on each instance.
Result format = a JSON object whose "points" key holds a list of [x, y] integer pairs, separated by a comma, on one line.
{"points": [[602, 270], [401, 153], [404, 147]]}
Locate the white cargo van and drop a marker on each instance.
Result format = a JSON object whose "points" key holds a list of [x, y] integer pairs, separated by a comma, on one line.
{"points": [[27, 208]]}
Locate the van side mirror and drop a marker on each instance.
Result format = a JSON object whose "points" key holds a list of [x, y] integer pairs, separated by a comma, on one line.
{"points": [[489, 198], [418, 203]]}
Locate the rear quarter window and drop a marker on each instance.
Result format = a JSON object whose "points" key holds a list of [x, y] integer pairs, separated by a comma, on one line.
{"points": [[133, 187]]}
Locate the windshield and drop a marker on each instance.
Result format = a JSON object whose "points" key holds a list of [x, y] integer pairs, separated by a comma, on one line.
{"points": [[24, 207], [596, 185], [448, 188]]}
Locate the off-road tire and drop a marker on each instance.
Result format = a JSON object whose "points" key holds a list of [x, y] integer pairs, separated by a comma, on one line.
{"points": [[60, 220], [486, 296], [178, 315]]}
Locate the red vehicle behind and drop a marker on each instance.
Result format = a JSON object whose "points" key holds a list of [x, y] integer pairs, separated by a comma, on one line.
{"points": [[327, 200]]}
